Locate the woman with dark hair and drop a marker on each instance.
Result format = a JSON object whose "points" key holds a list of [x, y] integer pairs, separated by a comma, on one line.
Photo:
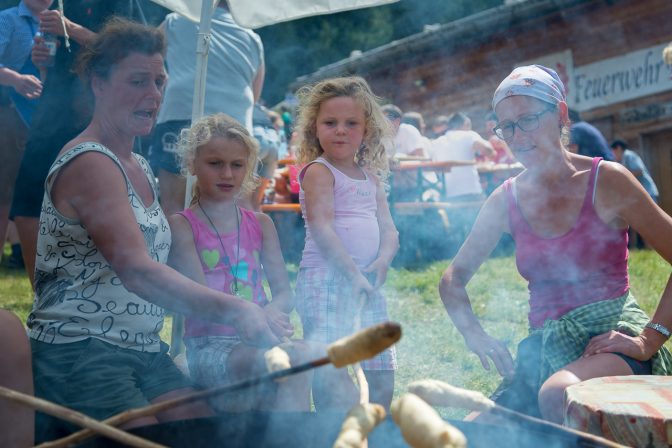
{"points": [[101, 281], [569, 215]]}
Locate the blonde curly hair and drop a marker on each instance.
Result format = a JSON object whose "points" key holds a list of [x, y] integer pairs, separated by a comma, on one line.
{"points": [[371, 154], [214, 126]]}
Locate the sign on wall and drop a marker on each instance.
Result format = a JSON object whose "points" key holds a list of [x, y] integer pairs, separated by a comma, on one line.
{"points": [[622, 78]]}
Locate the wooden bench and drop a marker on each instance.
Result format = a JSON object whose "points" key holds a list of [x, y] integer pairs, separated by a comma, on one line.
{"points": [[288, 207], [430, 231], [417, 208]]}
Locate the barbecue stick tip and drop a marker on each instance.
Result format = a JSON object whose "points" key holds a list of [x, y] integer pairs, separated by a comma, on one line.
{"points": [[438, 393], [363, 344], [422, 427], [357, 425]]}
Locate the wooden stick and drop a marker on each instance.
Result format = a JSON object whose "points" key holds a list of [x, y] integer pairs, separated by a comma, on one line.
{"points": [[364, 396], [77, 418], [438, 393], [583, 436], [199, 395], [362, 345]]}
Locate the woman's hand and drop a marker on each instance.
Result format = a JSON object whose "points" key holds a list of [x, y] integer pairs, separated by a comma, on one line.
{"points": [[278, 321], [485, 346], [636, 347], [253, 327], [379, 268]]}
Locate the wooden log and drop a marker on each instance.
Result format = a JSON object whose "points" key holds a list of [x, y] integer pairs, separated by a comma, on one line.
{"points": [[77, 418]]}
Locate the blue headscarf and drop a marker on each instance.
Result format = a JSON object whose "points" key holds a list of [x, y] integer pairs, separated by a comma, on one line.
{"points": [[537, 81]]}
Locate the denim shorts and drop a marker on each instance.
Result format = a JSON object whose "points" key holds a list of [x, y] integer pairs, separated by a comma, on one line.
{"points": [[98, 379]]}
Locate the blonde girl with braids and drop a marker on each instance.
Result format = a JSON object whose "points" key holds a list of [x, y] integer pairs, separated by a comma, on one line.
{"points": [[228, 248], [350, 237]]}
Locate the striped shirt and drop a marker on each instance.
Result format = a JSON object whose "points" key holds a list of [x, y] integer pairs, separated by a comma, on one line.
{"points": [[17, 29]]}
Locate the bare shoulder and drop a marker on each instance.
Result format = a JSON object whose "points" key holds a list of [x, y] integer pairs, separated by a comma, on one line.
{"points": [[317, 174], [497, 202], [615, 181], [613, 171], [178, 222], [265, 221], [180, 228]]}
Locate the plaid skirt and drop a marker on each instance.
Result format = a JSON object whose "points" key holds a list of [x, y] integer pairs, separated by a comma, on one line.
{"points": [[328, 311]]}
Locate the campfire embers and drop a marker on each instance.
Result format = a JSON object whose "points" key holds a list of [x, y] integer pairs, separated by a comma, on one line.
{"points": [[302, 429]]}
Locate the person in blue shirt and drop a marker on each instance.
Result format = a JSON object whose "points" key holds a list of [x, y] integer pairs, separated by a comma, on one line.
{"points": [[20, 88], [634, 163], [586, 140]]}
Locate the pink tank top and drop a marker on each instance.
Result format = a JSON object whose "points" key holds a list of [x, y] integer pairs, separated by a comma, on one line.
{"points": [[355, 218], [217, 270], [587, 264]]}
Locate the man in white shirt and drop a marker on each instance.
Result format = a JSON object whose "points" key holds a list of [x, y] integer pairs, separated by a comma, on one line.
{"points": [[407, 140], [460, 142]]}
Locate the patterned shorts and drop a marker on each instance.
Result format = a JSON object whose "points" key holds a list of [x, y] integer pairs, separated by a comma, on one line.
{"points": [[207, 357], [328, 309]]}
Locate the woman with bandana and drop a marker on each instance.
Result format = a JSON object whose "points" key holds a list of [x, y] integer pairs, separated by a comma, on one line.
{"points": [[569, 216]]}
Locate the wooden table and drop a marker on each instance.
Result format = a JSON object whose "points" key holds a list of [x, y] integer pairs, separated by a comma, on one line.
{"points": [[409, 178], [494, 174]]}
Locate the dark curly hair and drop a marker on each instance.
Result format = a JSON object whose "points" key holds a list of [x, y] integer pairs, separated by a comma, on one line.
{"points": [[116, 40]]}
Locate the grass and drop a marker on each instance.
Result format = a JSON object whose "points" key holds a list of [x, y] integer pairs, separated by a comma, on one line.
{"points": [[431, 347]]}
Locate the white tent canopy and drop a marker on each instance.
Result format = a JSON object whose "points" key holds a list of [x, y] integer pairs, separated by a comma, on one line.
{"points": [[258, 13]]}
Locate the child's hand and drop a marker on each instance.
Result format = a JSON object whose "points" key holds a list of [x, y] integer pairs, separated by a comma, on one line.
{"points": [[253, 327], [360, 285], [39, 53], [278, 321], [379, 268]]}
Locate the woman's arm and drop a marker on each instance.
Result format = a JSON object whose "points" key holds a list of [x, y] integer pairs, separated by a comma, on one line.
{"points": [[389, 239], [91, 188], [318, 185], [491, 223], [621, 200]]}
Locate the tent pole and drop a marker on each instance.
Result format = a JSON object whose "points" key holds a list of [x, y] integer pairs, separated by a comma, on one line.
{"points": [[202, 48]]}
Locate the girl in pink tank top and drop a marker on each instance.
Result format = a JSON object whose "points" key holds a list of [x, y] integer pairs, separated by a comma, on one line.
{"points": [[350, 237], [569, 216], [232, 249]]}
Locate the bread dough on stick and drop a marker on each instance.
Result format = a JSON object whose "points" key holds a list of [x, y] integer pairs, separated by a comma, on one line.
{"points": [[358, 423], [277, 359], [438, 393], [364, 344], [422, 426]]}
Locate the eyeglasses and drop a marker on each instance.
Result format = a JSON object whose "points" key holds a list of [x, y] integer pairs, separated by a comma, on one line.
{"points": [[527, 123]]}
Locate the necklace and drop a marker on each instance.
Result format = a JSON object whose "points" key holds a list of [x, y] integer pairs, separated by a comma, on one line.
{"points": [[234, 274]]}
